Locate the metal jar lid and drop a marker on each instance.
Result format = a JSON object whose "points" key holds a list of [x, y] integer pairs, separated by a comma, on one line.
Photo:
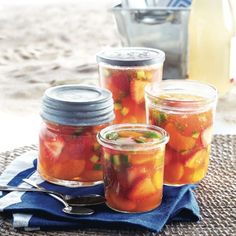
{"points": [[131, 56], [77, 105]]}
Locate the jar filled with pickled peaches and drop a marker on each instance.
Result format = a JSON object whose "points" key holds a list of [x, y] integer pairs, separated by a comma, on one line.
{"points": [[69, 153], [133, 165], [185, 109], [125, 72]]}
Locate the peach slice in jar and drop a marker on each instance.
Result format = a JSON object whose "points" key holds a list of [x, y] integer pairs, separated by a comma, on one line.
{"points": [[69, 170], [141, 189], [196, 166], [197, 159], [178, 141], [173, 173], [157, 178], [118, 202], [194, 175]]}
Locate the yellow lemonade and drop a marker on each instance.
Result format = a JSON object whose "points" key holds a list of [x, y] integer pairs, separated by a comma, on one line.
{"points": [[211, 30]]}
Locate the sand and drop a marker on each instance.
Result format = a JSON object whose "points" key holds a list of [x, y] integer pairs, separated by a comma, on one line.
{"points": [[45, 45], [41, 46]]}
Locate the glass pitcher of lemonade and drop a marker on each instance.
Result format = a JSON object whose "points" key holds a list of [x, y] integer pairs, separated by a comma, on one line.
{"points": [[212, 43]]}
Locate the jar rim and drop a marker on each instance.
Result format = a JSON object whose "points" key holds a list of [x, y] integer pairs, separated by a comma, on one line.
{"points": [[113, 144], [131, 56], [204, 95]]}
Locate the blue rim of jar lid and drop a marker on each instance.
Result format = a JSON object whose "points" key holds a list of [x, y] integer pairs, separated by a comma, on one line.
{"points": [[76, 104], [131, 56], [77, 93], [72, 121]]}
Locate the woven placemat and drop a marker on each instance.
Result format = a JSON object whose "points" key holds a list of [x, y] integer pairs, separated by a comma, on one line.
{"points": [[216, 196]]}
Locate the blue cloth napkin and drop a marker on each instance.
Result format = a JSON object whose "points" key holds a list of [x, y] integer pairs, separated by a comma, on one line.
{"points": [[35, 211]]}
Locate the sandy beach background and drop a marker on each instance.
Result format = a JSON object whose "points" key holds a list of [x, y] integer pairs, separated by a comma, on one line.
{"points": [[43, 44], [47, 43]]}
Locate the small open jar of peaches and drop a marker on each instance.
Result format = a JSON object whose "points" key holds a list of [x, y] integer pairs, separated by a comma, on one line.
{"points": [[185, 109], [69, 153], [133, 165]]}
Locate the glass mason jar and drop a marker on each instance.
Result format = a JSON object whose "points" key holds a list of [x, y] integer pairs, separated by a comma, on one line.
{"points": [[185, 109], [133, 165], [69, 153], [125, 72]]}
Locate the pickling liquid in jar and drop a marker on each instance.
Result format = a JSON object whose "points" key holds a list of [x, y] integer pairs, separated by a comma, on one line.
{"points": [[125, 72], [69, 153], [185, 109]]}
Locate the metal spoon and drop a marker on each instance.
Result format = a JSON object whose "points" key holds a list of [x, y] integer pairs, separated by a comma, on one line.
{"points": [[68, 209], [85, 200]]}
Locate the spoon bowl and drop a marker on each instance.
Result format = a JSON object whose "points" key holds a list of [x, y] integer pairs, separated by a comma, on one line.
{"points": [[76, 210]]}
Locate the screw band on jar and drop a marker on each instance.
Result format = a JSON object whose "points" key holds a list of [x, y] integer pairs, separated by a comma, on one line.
{"points": [[75, 104], [185, 109]]}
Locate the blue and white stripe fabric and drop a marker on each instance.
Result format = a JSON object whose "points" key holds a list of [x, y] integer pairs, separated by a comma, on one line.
{"points": [[35, 211], [169, 3], [179, 3]]}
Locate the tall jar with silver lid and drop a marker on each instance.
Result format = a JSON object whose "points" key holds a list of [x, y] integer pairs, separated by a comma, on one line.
{"points": [[125, 72], [69, 153]]}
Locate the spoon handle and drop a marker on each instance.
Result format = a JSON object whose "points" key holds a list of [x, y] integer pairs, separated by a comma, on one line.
{"points": [[85, 200], [32, 183], [71, 207], [18, 189], [68, 209], [12, 188]]}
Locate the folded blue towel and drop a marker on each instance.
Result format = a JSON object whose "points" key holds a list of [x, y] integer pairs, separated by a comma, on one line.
{"points": [[34, 211]]}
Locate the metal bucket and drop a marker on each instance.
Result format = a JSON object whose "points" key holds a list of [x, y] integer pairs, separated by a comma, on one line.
{"points": [[161, 28]]}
